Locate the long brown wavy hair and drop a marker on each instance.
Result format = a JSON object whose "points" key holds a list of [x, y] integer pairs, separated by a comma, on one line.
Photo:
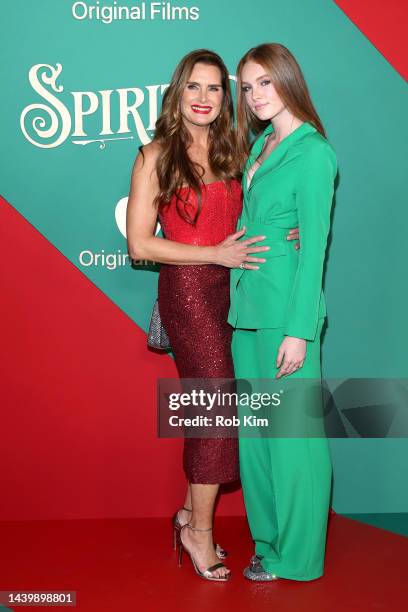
{"points": [[290, 85], [174, 167]]}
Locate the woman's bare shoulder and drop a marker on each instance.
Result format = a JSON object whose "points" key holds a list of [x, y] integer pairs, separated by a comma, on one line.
{"points": [[147, 157], [150, 153]]}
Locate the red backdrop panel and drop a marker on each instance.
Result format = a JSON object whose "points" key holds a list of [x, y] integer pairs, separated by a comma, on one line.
{"points": [[77, 394], [384, 23]]}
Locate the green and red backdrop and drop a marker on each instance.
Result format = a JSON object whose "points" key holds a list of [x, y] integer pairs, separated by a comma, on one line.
{"points": [[79, 95]]}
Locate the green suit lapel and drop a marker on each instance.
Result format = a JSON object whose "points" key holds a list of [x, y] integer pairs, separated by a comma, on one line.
{"points": [[277, 157]]}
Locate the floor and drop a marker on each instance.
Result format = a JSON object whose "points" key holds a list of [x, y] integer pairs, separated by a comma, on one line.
{"points": [[130, 565]]}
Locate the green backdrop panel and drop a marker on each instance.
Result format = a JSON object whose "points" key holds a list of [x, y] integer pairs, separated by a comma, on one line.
{"points": [[68, 183]]}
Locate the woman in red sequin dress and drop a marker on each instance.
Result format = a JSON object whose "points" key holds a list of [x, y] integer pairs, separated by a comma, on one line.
{"points": [[188, 175]]}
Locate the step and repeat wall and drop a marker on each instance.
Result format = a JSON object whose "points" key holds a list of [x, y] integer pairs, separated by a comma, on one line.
{"points": [[82, 84]]}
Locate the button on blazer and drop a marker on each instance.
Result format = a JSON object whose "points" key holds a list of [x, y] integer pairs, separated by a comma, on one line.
{"points": [[293, 187]]}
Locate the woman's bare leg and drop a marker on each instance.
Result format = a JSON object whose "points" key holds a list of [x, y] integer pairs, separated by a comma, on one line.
{"points": [[200, 543], [183, 515]]}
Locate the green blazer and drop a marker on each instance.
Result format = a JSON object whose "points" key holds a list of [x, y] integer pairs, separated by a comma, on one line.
{"points": [[292, 188]]}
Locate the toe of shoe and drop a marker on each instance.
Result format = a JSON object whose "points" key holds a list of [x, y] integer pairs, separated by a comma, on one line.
{"points": [[259, 576]]}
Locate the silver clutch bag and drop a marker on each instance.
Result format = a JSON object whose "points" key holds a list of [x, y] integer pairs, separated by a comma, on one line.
{"points": [[157, 337]]}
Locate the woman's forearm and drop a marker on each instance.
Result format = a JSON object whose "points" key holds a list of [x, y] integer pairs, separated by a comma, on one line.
{"points": [[162, 250]]}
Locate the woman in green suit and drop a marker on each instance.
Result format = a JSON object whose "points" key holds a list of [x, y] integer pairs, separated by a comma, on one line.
{"points": [[278, 311]]}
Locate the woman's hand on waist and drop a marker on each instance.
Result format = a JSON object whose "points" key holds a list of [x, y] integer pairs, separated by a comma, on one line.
{"points": [[235, 253], [294, 235]]}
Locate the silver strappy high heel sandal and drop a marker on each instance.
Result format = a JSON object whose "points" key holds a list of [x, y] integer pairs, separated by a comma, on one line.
{"points": [[208, 573], [177, 526]]}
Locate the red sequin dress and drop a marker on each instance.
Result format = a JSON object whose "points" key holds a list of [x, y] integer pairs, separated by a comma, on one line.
{"points": [[194, 304]]}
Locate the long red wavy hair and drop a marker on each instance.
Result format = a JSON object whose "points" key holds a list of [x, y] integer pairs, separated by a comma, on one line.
{"points": [[290, 85]]}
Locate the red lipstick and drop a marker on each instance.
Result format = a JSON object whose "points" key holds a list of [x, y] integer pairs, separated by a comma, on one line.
{"points": [[201, 109]]}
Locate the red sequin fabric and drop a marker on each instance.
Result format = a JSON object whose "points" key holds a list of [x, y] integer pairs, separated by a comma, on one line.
{"points": [[194, 304]]}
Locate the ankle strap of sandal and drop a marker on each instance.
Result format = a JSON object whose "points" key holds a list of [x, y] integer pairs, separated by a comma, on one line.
{"points": [[196, 528]]}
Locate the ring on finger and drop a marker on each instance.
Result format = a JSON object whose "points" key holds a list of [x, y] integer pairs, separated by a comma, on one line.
{"points": [[242, 266]]}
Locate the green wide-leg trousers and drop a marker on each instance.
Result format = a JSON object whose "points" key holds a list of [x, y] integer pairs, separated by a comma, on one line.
{"points": [[286, 481]]}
